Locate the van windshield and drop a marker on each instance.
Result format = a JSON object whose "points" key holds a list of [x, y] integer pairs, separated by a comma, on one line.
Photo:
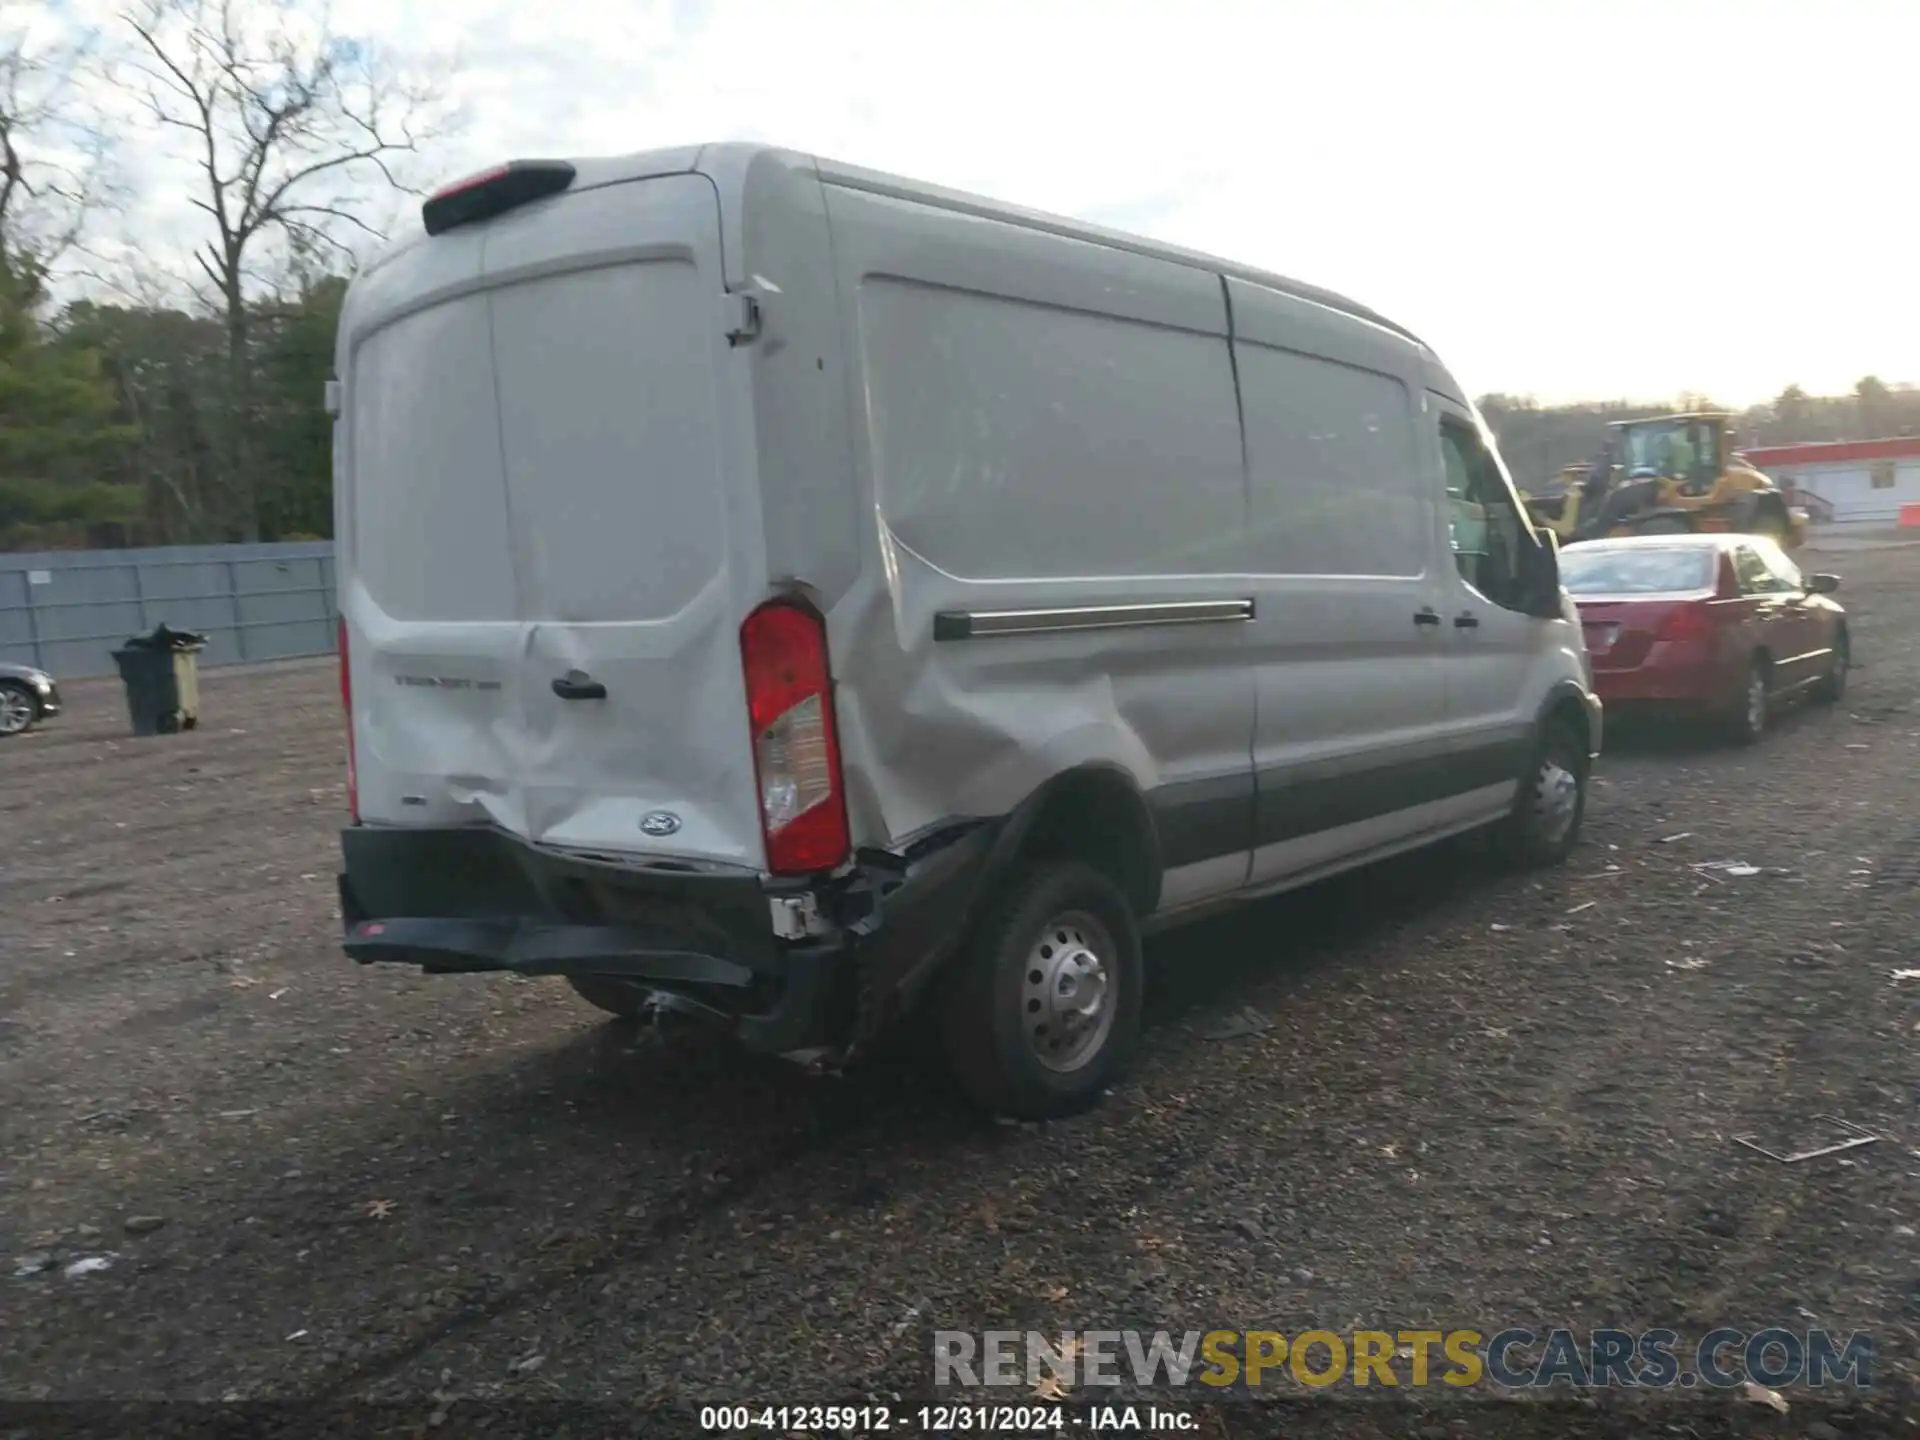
{"points": [[1653, 571]]}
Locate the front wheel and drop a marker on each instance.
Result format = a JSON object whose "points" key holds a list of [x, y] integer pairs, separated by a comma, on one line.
{"points": [[1833, 684], [1044, 1010], [1752, 708], [19, 711], [1544, 825]]}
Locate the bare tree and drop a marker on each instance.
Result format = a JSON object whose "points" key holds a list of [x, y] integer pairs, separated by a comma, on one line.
{"points": [[53, 145], [292, 129]]}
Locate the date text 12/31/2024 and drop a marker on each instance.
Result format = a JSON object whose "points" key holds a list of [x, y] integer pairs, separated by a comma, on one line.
{"points": [[945, 1419]]}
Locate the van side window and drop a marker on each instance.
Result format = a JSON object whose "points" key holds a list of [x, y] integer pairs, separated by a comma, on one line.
{"points": [[1486, 529], [1013, 440], [1333, 461]]}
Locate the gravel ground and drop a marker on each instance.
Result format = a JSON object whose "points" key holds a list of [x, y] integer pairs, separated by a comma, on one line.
{"points": [[1483, 1100]]}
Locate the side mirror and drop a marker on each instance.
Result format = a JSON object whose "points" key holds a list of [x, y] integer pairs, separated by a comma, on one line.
{"points": [[1822, 584], [1539, 566]]}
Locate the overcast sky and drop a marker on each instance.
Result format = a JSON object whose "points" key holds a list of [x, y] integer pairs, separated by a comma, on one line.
{"points": [[1570, 200]]}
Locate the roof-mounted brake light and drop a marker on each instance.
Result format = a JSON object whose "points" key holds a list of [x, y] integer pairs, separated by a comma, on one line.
{"points": [[493, 192]]}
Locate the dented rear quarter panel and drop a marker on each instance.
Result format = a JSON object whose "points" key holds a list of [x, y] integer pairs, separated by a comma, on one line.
{"points": [[938, 730]]}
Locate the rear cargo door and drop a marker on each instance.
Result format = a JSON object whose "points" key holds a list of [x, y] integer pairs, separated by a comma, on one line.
{"points": [[572, 673]]}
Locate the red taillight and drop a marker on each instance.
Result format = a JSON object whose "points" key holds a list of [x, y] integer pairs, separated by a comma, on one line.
{"points": [[470, 182], [346, 704], [1687, 622], [796, 748]]}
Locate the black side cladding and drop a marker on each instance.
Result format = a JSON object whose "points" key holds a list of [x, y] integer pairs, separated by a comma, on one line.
{"points": [[494, 192]]}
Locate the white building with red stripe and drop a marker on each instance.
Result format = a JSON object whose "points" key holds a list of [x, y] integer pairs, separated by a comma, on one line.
{"points": [[1848, 482]]}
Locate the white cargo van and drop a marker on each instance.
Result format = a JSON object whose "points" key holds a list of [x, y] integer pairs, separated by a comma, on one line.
{"points": [[793, 594]]}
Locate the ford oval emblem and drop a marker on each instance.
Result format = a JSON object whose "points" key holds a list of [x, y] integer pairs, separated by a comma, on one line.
{"points": [[659, 823]]}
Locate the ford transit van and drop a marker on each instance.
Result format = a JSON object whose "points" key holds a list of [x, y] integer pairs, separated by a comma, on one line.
{"points": [[794, 595]]}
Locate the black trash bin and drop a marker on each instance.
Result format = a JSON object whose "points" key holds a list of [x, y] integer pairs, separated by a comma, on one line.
{"points": [[161, 673]]}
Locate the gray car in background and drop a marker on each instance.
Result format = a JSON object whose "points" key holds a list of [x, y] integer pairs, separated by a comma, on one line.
{"points": [[27, 696]]}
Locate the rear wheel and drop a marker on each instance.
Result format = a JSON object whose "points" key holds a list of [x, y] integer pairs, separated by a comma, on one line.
{"points": [[1544, 825], [19, 711], [1753, 706], [1043, 1012], [1833, 684]]}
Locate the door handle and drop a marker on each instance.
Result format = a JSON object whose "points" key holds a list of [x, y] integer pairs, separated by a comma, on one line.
{"points": [[1466, 621], [578, 685], [1426, 616]]}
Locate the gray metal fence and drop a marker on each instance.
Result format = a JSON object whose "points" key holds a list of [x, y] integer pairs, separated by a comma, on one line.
{"points": [[67, 611]]}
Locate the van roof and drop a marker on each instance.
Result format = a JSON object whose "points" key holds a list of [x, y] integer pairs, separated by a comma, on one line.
{"points": [[854, 177], [734, 158]]}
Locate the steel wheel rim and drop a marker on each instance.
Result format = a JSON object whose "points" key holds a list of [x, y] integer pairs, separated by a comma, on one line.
{"points": [[1556, 796], [1068, 994], [1756, 702], [16, 711]]}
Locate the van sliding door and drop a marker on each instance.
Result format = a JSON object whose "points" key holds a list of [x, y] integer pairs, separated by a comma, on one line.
{"points": [[1350, 750]]}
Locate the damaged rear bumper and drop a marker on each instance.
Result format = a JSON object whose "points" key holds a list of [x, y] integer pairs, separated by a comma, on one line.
{"points": [[464, 900]]}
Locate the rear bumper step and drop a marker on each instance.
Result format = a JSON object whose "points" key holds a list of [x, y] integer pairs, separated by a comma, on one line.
{"points": [[477, 900], [535, 948], [795, 1019]]}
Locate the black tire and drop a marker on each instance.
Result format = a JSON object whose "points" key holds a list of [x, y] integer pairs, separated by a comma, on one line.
{"points": [[1833, 685], [616, 997], [1771, 524], [1544, 825], [1063, 916], [1751, 708], [19, 709]]}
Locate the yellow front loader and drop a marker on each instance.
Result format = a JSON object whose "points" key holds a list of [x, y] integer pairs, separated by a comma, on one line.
{"points": [[1667, 476]]}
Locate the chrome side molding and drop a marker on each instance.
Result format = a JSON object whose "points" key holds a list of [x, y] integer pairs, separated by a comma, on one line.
{"points": [[977, 624]]}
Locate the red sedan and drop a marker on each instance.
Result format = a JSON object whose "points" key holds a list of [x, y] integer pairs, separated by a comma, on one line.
{"points": [[1719, 626]]}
